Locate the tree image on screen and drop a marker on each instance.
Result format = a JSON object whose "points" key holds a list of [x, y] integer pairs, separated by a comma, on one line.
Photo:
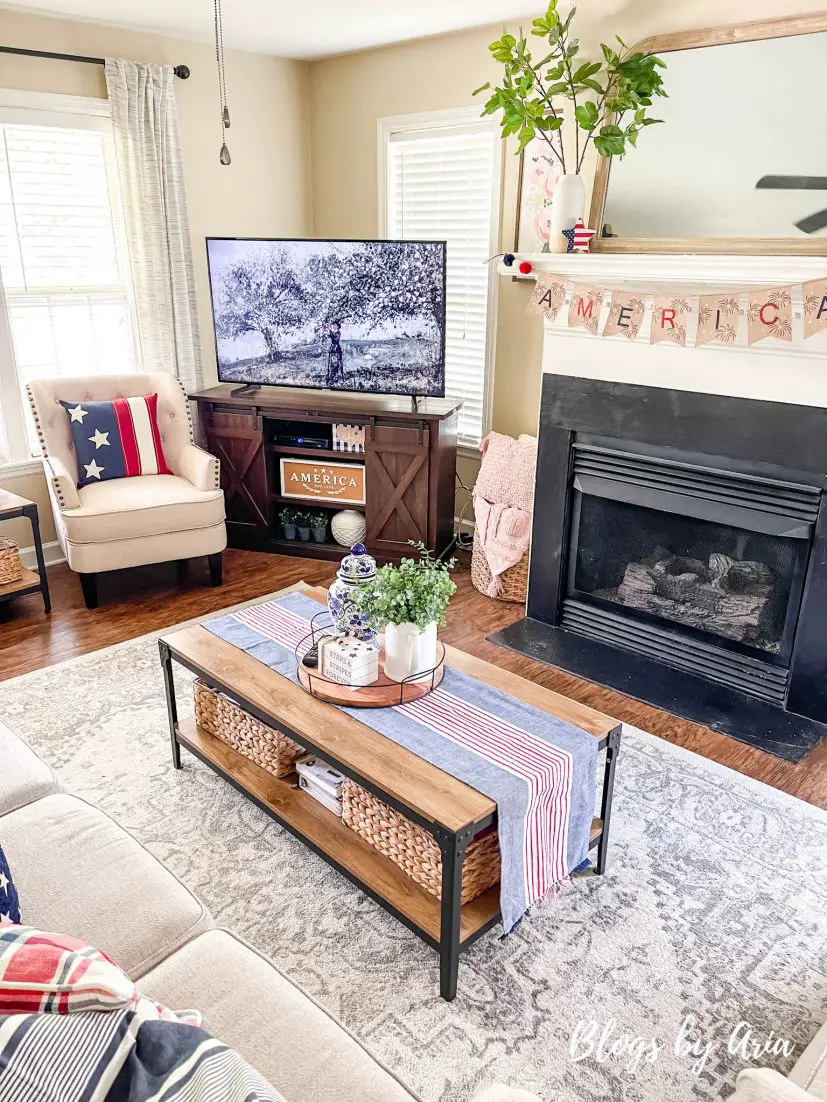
{"points": [[363, 316]]}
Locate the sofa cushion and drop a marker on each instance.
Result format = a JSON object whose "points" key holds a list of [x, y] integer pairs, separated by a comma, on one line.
{"points": [[147, 505], [81, 874], [118, 438], [247, 1003], [811, 1070], [23, 776]]}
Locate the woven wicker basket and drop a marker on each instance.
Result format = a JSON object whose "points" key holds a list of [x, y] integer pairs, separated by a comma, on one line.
{"points": [[414, 849], [223, 718], [11, 568], [514, 581]]}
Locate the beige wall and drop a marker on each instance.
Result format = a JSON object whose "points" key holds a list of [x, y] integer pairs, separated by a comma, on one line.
{"points": [[266, 190], [348, 95]]}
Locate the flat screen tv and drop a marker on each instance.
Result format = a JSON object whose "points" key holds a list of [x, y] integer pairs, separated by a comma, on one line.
{"points": [[338, 315]]}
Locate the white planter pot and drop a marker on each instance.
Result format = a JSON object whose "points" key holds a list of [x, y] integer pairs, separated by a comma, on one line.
{"points": [[409, 650], [567, 205]]}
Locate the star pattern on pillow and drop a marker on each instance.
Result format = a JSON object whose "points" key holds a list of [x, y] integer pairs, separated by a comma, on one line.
{"points": [[100, 438], [93, 470], [77, 413]]}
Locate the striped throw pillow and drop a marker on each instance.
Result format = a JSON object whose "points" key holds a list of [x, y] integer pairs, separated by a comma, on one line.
{"points": [[117, 439]]}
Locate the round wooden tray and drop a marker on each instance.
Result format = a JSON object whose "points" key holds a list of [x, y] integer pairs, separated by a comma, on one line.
{"points": [[382, 693]]}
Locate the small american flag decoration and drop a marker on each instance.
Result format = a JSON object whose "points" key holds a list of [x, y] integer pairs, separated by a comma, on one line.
{"points": [[578, 238]]}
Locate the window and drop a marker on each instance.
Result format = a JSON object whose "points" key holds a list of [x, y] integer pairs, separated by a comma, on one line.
{"points": [[62, 253], [440, 180]]}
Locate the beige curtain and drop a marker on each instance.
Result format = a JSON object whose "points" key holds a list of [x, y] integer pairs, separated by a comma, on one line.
{"points": [[145, 124]]}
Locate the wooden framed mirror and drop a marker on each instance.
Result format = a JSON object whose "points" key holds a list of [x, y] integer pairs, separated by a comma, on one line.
{"points": [[741, 165]]}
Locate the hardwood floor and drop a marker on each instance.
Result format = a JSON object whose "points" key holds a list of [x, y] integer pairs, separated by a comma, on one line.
{"points": [[135, 602]]}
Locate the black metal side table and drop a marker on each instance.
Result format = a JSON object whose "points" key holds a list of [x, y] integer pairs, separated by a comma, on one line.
{"points": [[12, 505]]}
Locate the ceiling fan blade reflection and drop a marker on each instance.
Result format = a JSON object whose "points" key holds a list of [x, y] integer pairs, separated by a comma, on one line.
{"points": [[813, 222], [793, 183]]}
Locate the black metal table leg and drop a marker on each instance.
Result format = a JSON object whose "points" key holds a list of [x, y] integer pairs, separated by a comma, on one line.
{"points": [[172, 708], [612, 751], [31, 512], [453, 846]]}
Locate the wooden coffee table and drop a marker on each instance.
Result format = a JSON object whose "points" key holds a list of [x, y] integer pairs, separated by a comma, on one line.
{"points": [[450, 810]]}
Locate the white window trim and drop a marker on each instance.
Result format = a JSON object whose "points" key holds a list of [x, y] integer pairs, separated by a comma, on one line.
{"points": [[431, 120], [51, 109]]}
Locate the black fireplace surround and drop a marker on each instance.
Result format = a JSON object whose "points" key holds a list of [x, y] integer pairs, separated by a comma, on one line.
{"points": [[679, 555]]}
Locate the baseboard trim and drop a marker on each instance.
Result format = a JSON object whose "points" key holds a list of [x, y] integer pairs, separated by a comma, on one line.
{"points": [[52, 555]]}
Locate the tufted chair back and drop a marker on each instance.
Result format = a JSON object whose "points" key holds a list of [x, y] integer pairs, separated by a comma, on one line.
{"points": [[45, 395]]}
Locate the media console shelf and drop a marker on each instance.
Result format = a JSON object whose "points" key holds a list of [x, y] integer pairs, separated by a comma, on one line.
{"points": [[409, 465]]}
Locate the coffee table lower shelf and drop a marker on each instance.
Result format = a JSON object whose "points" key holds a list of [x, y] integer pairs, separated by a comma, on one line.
{"points": [[347, 851]]}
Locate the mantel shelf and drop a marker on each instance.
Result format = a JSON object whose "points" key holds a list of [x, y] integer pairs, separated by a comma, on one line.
{"points": [[671, 271]]}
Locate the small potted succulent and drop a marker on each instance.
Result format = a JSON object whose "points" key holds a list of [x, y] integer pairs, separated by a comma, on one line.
{"points": [[318, 526], [287, 516], [303, 525], [409, 602]]}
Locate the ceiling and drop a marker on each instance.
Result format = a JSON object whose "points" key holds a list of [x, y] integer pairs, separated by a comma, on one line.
{"points": [[321, 27]]}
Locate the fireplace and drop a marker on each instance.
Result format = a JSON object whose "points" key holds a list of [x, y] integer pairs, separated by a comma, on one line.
{"points": [[678, 555]]}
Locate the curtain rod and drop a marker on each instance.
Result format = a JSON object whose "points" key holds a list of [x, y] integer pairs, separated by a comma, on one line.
{"points": [[181, 71]]}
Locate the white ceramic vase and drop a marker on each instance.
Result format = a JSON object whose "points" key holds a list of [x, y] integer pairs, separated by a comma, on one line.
{"points": [[409, 650], [567, 205]]}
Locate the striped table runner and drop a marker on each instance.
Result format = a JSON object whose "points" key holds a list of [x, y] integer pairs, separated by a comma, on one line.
{"points": [[538, 769]]}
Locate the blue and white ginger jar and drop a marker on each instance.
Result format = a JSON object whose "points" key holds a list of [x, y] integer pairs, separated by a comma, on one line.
{"points": [[356, 569]]}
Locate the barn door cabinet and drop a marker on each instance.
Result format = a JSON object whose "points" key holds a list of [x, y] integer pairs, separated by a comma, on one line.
{"points": [[409, 465]]}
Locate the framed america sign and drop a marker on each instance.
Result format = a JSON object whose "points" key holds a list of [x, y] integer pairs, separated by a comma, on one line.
{"points": [[337, 483]]}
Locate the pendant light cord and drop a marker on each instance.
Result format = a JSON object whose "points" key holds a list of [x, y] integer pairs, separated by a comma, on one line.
{"points": [[224, 115]]}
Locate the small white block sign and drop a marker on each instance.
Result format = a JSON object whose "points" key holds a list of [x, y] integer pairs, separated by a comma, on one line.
{"points": [[349, 661]]}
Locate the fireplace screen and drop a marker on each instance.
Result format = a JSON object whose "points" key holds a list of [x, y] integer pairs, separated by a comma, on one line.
{"points": [[727, 581]]}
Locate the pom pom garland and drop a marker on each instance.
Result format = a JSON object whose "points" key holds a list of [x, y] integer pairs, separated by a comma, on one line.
{"points": [[525, 267]]}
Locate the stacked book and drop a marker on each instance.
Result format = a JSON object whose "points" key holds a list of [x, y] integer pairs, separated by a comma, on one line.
{"points": [[321, 782]]}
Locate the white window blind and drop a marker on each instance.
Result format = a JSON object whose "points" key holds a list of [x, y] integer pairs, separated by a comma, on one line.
{"points": [[442, 184], [62, 255]]}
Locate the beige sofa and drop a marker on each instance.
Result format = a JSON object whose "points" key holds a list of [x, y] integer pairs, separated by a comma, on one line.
{"points": [[79, 873], [807, 1082], [135, 521]]}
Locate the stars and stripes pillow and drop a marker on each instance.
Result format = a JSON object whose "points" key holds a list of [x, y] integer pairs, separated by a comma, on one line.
{"points": [[117, 439], [9, 902]]}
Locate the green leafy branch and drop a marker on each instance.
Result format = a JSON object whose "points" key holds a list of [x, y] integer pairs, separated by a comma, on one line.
{"points": [[610, 99]]}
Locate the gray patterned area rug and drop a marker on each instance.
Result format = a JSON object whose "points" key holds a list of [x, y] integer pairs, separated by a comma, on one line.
{"points": [[713, 912]]}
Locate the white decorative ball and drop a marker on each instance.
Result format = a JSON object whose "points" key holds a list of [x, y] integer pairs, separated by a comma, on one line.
{"points": [[348, 527]]}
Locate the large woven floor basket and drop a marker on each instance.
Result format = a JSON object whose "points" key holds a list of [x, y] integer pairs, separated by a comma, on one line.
{"points": [[415, 850], [223, 718], [11, 568], [514, 581]]}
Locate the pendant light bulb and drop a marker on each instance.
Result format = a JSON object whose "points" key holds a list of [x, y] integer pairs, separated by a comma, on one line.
{"points": [[224, 156]]}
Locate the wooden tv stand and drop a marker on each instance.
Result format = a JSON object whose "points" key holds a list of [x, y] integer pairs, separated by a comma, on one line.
{"points": [[410, 465]]}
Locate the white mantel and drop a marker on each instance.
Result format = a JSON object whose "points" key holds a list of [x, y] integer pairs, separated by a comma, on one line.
{"points": [[772, 370]]}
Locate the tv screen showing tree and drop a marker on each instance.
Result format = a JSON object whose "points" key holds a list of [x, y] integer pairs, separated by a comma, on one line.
{"points": [[339, 315]]}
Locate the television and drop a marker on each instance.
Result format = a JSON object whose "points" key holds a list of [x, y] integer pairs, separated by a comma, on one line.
{"points": [[337, 315]]}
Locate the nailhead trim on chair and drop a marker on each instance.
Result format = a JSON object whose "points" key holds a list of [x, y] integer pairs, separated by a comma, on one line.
{"points": [[215, 459], [54, 479]]}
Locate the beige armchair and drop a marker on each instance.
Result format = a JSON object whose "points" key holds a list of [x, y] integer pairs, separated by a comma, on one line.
{"points": [[128, 522]]}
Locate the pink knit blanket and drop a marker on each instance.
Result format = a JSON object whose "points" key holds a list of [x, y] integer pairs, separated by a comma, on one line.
{"points": [[503, 500]]}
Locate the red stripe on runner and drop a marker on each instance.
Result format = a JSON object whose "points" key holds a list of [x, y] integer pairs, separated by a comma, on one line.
{"points": [[126, 431]]}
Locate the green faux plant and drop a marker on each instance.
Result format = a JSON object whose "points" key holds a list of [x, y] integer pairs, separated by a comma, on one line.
{"points": [[609, 99], [415, 592], [288, 515], [318, 521]]}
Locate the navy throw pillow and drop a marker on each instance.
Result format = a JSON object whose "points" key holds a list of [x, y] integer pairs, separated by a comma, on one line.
{"points": [[116, 439], [9, 903]]}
